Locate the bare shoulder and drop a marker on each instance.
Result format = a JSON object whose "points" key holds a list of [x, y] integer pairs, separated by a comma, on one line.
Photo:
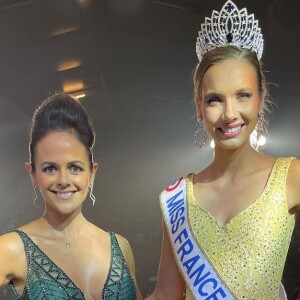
{"points": [[12, 258], [121, 240], [11, 242], [125, 247], [127, 253], [12, 248], [294, 168], [293, 185]]}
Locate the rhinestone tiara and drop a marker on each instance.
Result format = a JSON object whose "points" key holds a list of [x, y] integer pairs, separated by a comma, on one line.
{"points": [[230, 27]]}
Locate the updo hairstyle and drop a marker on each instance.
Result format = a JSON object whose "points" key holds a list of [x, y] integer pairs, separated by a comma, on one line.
{"points": [[61, 112]]}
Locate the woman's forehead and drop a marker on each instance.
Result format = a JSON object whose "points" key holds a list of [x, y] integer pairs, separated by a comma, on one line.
{"points": [[230, 73]]}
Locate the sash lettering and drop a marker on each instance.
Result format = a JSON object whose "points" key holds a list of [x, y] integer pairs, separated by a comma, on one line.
{"points": [[197, 271]]}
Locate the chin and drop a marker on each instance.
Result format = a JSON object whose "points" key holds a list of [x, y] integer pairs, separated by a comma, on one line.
{"points": [[230, 144], [64, 208]]}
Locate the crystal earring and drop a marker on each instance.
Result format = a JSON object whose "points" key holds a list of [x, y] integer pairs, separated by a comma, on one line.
{"points": [[200, 130], [34, 197], [93, 198], [261, 123]]}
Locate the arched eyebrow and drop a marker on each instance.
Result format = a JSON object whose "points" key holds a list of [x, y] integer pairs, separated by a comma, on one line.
{"points": [[75, 162], [50, 163], [245, 89]]}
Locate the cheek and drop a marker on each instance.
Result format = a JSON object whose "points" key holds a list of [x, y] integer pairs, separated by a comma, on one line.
{"points": [[212, 113], [251, 111], [83, 181], [44, 181]]}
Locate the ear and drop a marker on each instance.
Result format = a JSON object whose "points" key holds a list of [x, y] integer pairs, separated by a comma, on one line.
{"points": [[31, 173], [93, 173]]}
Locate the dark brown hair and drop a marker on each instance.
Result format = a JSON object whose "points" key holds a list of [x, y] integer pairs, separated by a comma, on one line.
{"points": [[61, 112]]}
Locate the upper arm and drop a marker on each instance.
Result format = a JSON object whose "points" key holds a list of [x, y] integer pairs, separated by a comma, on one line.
{"points": [[129, 258], [293, 186], [170, 284], [11, 258]]}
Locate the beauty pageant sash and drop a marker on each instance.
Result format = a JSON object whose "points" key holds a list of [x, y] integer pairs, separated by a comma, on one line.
{"points": [[198, 273]]}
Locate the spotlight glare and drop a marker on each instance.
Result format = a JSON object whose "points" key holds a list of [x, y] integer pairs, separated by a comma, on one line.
{"points": [[257, 141], [212, 144], [80, 96], [262, 140]]}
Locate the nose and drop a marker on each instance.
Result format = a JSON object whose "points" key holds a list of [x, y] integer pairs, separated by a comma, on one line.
{"points": [[63, 179], [230, 110]]}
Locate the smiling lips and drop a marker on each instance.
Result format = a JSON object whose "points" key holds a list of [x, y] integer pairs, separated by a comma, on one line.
{"points": [[63, 195], [231, 130]]}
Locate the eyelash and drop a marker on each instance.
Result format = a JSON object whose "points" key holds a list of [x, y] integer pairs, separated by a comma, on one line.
{"points": [[74, 169], [47, 169], [79, 169], [213, 99], [244, 95], [241, 95]]}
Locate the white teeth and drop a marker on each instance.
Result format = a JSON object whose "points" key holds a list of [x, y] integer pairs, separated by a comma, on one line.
{"points": [[231, 129], [64, 195]]}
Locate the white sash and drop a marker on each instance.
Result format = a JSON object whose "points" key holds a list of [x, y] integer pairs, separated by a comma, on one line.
{"points": [[196, 269]]}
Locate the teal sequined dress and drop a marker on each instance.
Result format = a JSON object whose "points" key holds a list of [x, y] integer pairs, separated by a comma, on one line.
{"points": [[46, 281]]}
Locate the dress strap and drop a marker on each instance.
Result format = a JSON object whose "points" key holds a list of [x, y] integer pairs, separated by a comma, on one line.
{"points": [[119, 283]]}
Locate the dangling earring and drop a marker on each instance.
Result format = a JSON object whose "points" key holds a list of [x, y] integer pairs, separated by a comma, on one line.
{"points": [[200, 129], [260, 126], [93, 198], [34, 197]]}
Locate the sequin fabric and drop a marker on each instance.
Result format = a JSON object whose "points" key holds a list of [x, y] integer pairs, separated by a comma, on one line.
{"points": [[119, 284], [46, 281], [250, 251]]}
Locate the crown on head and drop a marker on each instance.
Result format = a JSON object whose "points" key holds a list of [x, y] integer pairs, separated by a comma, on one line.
{"points": [[230, 27]]}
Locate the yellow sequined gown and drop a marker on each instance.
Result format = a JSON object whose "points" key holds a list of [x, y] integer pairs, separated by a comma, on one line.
{"points": [[250, 251]]}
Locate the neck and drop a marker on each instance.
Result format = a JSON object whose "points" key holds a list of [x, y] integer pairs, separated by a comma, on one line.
{"points": [[234, 161], [69, 226]]}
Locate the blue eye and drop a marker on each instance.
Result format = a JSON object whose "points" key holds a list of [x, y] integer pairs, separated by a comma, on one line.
{"points": [[49, 169], [243, 95], [76, 169]]}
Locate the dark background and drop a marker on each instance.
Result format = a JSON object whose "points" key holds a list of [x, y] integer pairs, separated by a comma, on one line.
{"points": [[133, 60]]}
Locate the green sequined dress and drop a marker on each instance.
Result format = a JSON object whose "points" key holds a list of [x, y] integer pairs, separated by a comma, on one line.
{"points": [[46, 281]]}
